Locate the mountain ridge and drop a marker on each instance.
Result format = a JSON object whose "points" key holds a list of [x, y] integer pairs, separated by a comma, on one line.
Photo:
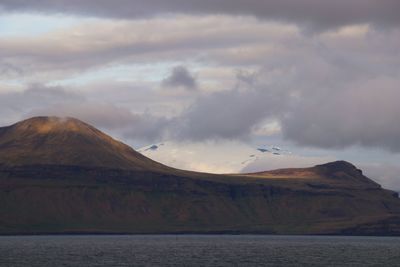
{"points": [[65, 176]]}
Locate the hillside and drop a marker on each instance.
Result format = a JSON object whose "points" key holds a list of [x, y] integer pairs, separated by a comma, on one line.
{"points": [[66, 141], [65, 176]]}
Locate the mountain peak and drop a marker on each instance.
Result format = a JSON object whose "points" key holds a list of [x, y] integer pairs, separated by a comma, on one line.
{"points": [[339, 165], [66, 141], [343, 170], [45, 125]]}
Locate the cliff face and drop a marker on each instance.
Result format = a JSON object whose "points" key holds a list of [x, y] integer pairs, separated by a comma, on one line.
{"points": [[99, 185]]}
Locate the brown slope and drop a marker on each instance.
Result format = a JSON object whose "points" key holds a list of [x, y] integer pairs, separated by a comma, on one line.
{"points": [[66, 141]]}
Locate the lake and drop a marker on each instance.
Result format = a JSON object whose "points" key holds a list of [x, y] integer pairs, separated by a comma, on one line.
{"points": [[198, 250]]}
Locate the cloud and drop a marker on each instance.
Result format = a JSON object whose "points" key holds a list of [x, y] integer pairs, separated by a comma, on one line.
{"points": [[334, 90], [42, 100], [385, 174], [10, 70], [229, 114], [224, 41], [180, 77], [36, 95], [362, 113], [313, 14], [318, 103], [16, 104], [117, 120], [96, 44], [357, 113], [205, 119]]}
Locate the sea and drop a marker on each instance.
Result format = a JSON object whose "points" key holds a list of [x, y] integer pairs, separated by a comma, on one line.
{"points": [[198, 250]]}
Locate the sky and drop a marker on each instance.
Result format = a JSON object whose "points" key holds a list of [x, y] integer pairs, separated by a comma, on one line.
{"points": [[214, 80]]}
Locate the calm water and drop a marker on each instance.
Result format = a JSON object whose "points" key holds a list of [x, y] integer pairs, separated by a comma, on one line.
{"points": [[194, 250]]}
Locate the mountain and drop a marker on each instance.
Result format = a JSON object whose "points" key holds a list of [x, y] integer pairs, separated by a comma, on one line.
{"points": [[66, 141], [60, 175]]}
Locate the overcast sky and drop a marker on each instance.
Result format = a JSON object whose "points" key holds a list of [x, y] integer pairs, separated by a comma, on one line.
{"points": [[321, 78]]}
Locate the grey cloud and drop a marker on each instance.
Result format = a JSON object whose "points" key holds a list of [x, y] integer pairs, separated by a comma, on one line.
{"points": [[317, 104], [230, 114], [117, 120], [14, 105], [227, 114], [105, 115], [180, 77], [332, 91], [385, 174], [223, 41], [36, 95], [311, 13], [246, 77], [365, 114], [10, 70], [99, 114], [42, 100], [360, 112], [106, 43]]}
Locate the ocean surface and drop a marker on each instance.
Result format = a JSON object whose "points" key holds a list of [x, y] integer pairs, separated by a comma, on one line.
{"points": [[198, 250]]}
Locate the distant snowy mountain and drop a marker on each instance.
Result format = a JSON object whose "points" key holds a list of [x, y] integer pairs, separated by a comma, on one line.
{"points": [[226, 157]]}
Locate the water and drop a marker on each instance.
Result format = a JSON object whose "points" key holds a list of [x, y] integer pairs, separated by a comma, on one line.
{"points": [[195, 250]]}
